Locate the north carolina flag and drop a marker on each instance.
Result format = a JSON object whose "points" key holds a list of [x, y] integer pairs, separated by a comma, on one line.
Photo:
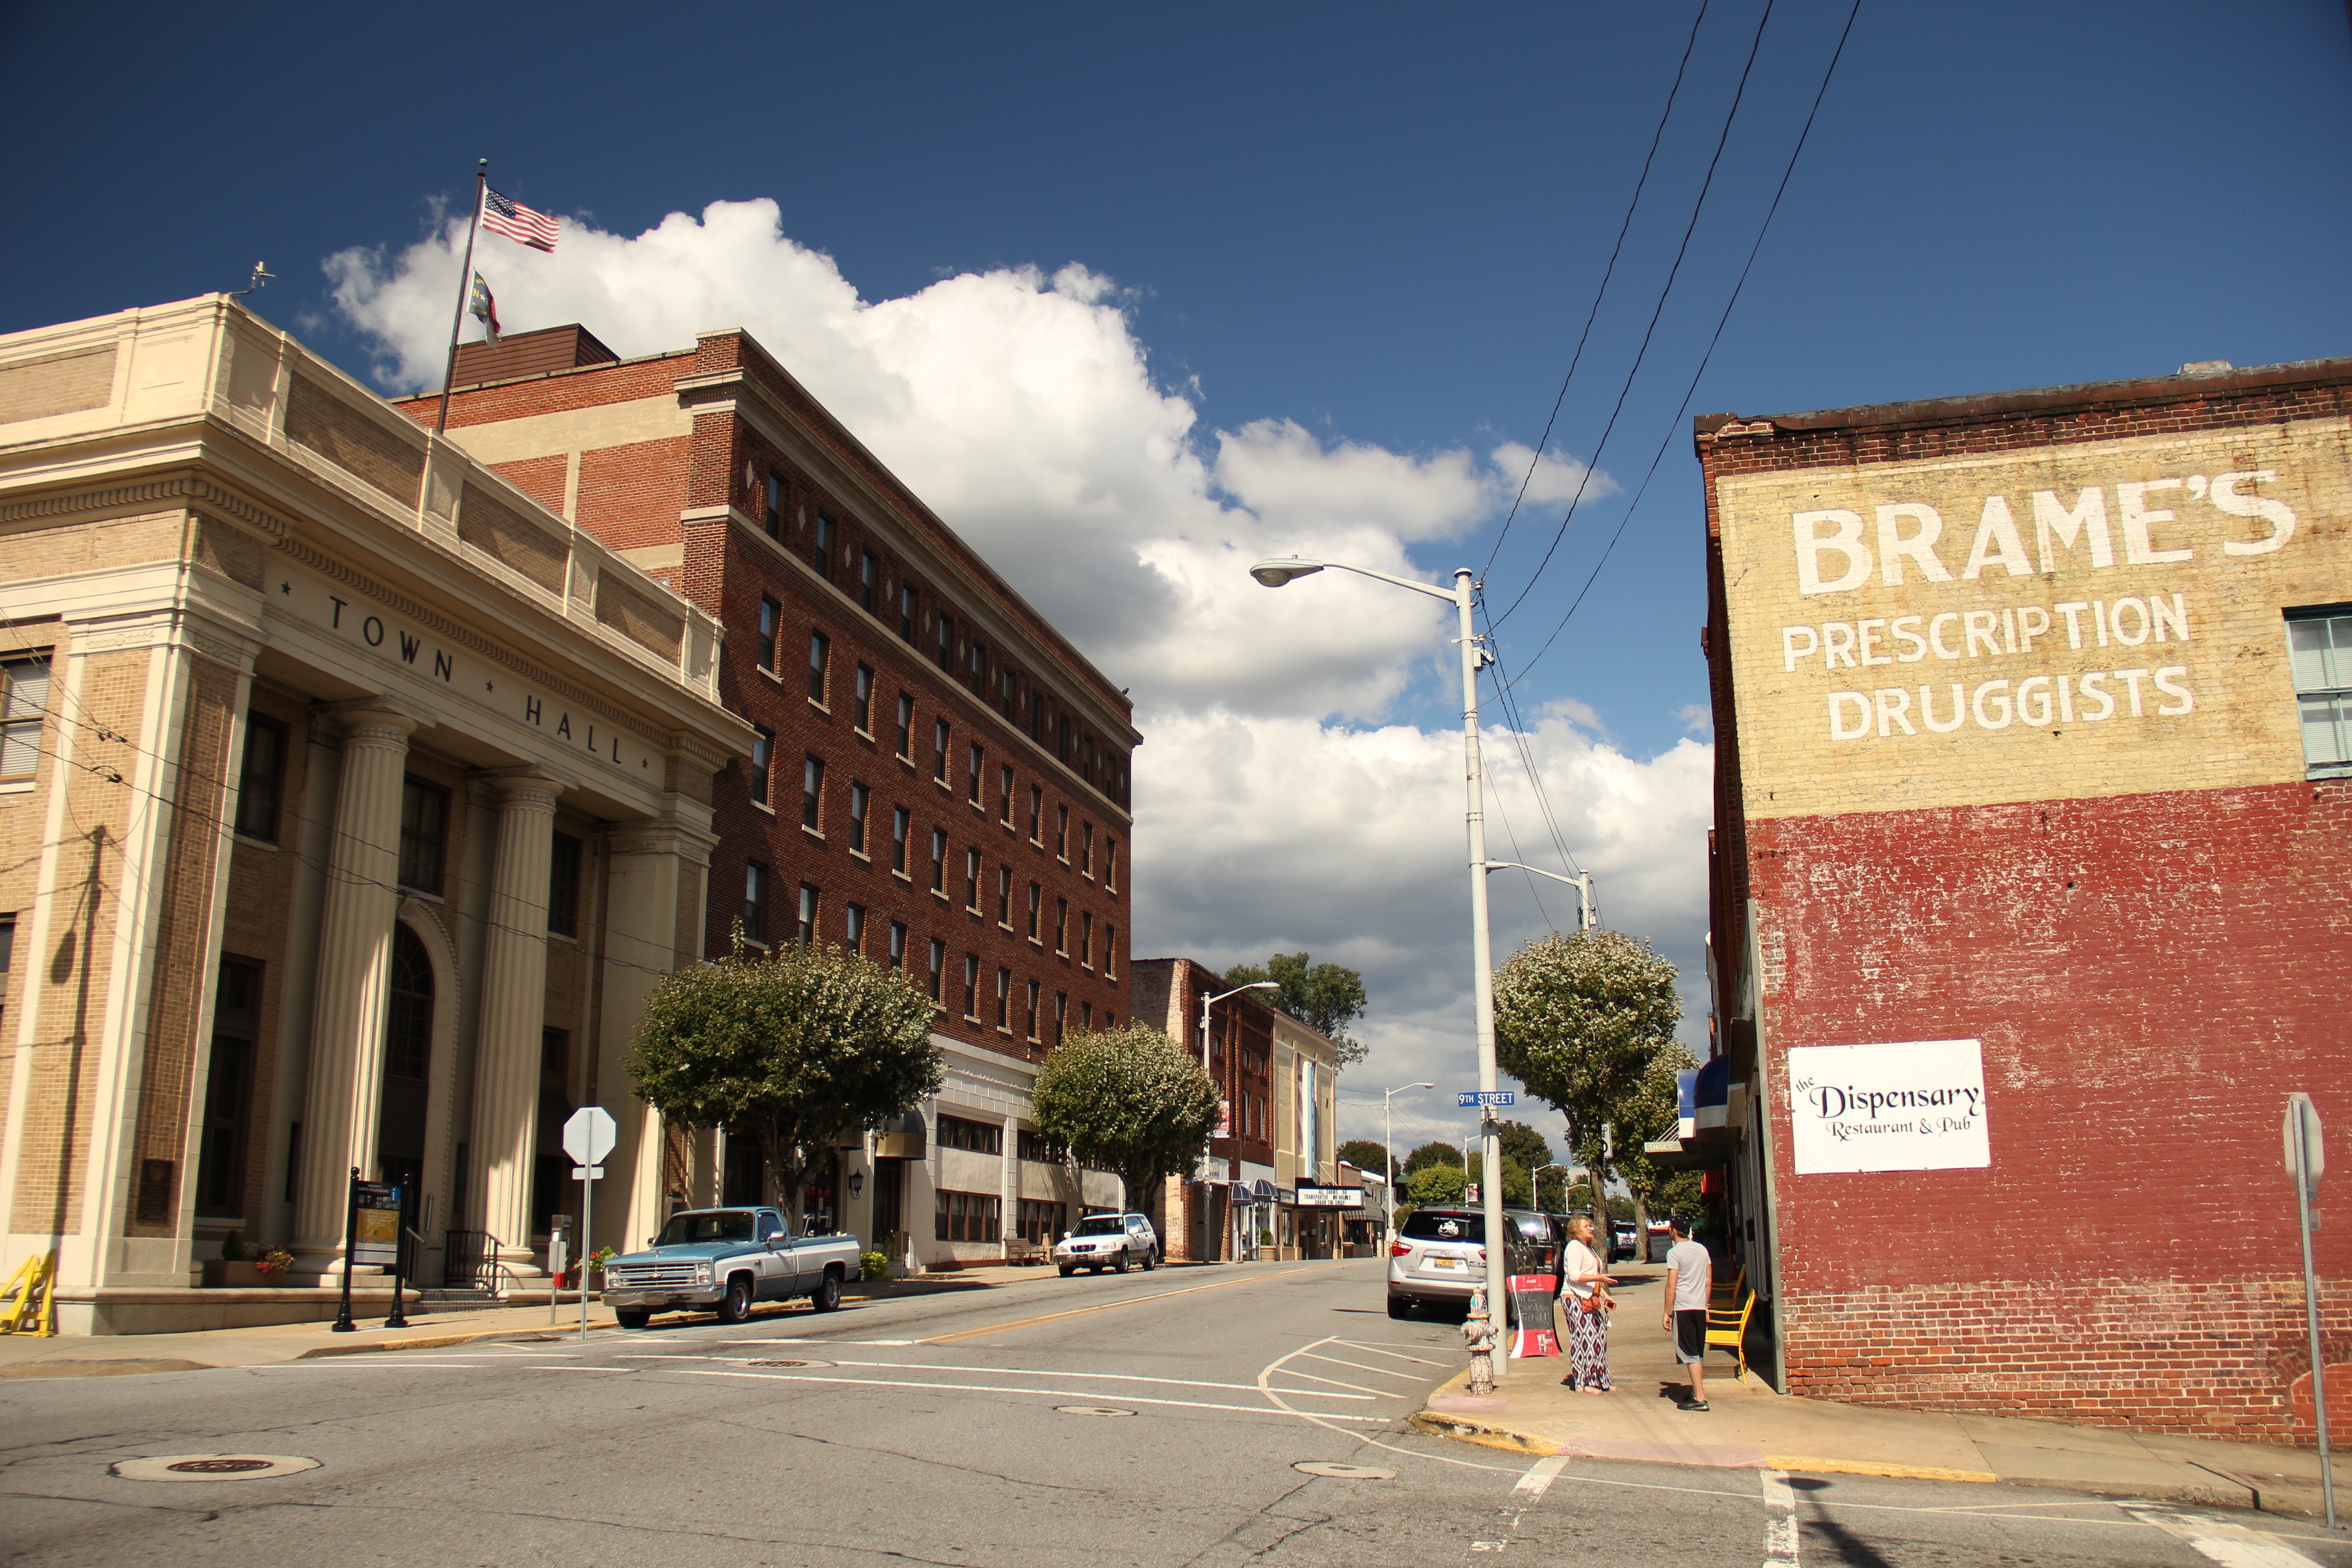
{"points": [[486, 308], [506, 216]]}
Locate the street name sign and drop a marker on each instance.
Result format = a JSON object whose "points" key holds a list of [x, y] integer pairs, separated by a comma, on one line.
{"points": [[1466, 1097]]}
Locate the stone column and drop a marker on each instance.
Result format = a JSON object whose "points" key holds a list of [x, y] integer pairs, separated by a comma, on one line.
{"points": [[513, 1013], [1008, 1209], [345, 1093]]}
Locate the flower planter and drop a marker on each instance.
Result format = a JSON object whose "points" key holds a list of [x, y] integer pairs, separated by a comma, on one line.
{"points": [[221, 1274]]}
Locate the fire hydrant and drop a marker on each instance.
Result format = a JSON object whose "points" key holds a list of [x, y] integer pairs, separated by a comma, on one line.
{"points": [[1478, 1333]]}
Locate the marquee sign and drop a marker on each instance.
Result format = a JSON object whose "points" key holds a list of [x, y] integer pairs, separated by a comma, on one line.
{"points": [[1915, 1106]]}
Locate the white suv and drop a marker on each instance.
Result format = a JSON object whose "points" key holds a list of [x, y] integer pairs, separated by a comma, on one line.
{"points": [[1109, 1241]]}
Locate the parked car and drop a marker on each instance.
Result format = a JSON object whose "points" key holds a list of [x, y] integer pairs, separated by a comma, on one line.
{"points": [[1109, 1241], [728, 1258], [1625, 1240], [1439, 1254]]}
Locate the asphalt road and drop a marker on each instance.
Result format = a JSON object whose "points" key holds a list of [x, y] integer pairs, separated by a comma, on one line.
{"points": [[1154, 1419]]}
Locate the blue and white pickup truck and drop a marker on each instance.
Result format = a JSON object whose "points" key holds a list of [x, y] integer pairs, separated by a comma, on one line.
{"points": [[728, 1258]]}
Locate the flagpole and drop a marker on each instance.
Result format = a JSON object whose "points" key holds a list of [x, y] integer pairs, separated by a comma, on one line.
{"points": [[464, 284]]}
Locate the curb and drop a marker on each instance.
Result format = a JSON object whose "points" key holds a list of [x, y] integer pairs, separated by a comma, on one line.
{"points": [[97, 1367]]}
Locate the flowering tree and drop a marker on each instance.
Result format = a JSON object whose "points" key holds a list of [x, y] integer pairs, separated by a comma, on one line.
{"points": [[794, 1051], [1581, 1020], [1126, 1100]]}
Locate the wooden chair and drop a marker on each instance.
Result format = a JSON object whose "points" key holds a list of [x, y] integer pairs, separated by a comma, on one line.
{"points": [[1729, 1328]]}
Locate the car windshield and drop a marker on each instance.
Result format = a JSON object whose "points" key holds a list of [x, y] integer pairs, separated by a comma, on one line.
{"points": [[1101, 1224], [1424, 1226], [723, 1224]]}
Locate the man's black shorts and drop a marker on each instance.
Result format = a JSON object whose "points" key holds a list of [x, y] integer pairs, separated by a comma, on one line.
{"points": [[1690, 1335]]}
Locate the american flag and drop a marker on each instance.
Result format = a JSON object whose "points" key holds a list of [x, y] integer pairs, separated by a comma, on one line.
{"points": [[506, 216]]}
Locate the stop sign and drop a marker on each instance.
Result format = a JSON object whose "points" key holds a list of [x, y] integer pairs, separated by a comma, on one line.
{"points": [[589, 1136]]}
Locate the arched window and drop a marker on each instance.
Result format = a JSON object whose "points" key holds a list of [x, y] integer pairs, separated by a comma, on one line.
{"points": [[408, 1031]]}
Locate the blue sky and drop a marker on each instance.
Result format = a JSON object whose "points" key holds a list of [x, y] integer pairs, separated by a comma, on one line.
{"points": [[1383, 224]]}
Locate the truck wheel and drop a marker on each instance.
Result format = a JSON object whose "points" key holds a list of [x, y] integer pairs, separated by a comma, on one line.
{"points": [[1119, 1267], [632, 1320], [735, 1307], [1068, 1270], [827, 1294]]}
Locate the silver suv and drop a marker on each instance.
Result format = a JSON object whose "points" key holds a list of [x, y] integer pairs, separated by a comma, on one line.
{"points": [[1439, 1254], [1109, 1241]]}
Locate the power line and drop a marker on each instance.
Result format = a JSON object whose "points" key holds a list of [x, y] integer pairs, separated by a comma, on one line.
{"points": [[1607, 273], [1674, 271], [1690, 391]]}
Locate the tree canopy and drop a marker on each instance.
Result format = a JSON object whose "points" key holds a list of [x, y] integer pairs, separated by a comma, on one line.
{"points": [[1581, 1020], [1436, 1185], [1523, 1143], [1365, 1155], [1436, 1151], [1326, 997], [793, 1050], [1126, 1100]]}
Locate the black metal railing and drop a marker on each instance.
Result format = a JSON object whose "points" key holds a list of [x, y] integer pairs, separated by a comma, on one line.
{"points": [[469, 1260]]}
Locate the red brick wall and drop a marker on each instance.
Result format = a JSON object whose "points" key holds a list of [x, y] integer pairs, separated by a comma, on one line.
{"points": [[2151, 976]]}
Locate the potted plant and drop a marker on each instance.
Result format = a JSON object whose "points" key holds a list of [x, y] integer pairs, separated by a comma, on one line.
{"points": [[237, 1268]]}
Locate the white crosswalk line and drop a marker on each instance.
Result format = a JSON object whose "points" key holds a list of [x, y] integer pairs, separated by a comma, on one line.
{"points": [[1781, 1522], [2231, 1545], [1540, 1476]]}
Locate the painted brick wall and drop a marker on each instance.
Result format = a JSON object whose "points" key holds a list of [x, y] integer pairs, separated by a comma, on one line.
{"points": [[2151, 976]]}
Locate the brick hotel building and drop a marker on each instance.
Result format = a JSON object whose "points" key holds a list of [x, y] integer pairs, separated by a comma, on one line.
{"points": [[2032, 889], [938, 778]]}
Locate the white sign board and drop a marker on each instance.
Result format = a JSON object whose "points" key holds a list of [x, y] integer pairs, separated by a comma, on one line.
{"points": [[1331, 1197], [588, 1137], [1916, 1106]]}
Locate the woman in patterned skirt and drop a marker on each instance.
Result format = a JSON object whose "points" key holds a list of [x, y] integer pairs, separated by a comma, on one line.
{"points": [[1584, 1301]]}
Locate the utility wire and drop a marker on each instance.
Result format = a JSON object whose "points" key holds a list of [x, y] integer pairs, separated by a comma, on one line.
{"points": [[1607, 273], [1593, 464], [1675, 424]]}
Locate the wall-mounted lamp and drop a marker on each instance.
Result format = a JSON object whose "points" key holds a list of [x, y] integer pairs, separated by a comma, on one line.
{"points": [[856, 1182]]}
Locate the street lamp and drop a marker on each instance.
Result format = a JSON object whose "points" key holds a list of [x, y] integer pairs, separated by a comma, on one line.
{"points": [[1387, 1136], [1212, 1002], [1274, 574], [1535, 1184]]}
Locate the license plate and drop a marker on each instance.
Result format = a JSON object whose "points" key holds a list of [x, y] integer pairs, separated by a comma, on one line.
{"points": [[1442, 1262]]}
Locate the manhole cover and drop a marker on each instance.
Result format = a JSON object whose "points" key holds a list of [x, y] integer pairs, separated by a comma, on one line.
{"points": [[784, 1364], [1343, 1472], [212, 1466], [1091, 1410]]}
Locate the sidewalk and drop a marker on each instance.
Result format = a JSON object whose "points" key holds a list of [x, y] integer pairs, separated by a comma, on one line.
{"points": [[1750, 1426], [115, 1355]]}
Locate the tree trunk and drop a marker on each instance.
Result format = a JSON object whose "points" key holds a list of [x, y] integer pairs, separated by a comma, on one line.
{"points": [[1641, 1227]]}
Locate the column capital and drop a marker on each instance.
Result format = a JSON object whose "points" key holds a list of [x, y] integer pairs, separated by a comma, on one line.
{"points": [[523, 789], [372, 719]]}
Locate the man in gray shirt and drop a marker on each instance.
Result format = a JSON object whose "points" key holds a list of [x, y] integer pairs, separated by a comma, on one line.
{"points": [[1690, 1278]]}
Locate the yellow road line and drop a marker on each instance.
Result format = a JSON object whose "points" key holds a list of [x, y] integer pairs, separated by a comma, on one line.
{"points": [[1130, 1302]]}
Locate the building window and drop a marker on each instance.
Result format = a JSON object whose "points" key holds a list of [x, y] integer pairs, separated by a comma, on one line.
{"points": [[1061, 1015], [1041, 1222], [812, 794], [854, 926], [820, 663], [2319, 647], [939, 751], [763, 744], [972, 987], [900, 818], [260, 778], [978, 667], [1031, 1015], [1110, 952], [1061, 927], [1062, 833], [228, 1091], [806, 932], [755, 901], [974, 1137], [947, 642], [1086, 850], [906, 727], [861, 710], [774, 519], [423, 834], [1036, 901], [897, 944], [1085, 1014], [979, 760], [972, 881], [408, 1015], [938, 861], [772, 616], [1036, 816], [869, 572], [968, 1216], [1004, 794], [1004, 896], [1110, 866], [938, 973], [1031, 1145], [1004, 999], [1085, 939], [857, 797], [907, 614], [825, 547], [563, 885]]}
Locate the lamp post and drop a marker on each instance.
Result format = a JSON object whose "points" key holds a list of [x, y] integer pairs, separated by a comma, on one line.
{"points": [[1388, 1138], [1274, 574], [1212, 1002], [1535, 1184]]}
